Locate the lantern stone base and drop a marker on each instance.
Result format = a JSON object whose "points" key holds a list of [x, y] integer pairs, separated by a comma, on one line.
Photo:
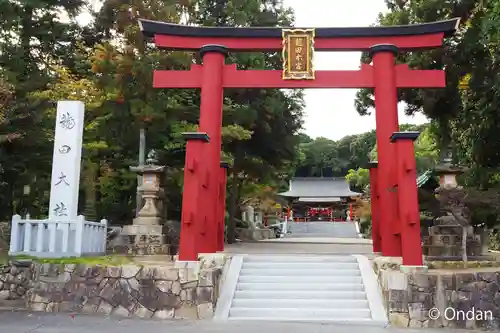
{"points": [[446, 240], [136, 249], [146, 238]]}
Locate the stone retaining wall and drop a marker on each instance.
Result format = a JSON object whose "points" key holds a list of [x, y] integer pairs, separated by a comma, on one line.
{"points": [[459, 299], [254, 234], [160, 292], [15, 281]]}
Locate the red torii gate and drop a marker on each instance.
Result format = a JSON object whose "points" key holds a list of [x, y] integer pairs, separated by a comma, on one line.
{"points": [[396, 210]]}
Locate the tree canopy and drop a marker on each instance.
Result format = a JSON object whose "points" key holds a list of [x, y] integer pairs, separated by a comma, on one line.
{"points": [[465, 113]]}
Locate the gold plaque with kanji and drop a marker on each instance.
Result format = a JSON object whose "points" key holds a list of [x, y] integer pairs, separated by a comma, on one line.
{"points": [[298, 50]]}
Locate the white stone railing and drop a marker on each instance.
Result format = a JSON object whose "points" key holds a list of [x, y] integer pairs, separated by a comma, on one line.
{"points": [[57, 238]]}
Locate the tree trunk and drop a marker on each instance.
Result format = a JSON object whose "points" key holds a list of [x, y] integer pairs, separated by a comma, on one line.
{"points": [[444, 138], [233, 207], [25, 41], [89, 179], [464, 246], [464, 223]]}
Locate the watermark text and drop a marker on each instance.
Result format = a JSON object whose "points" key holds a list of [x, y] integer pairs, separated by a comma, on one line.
{"points": [[453, 314]]}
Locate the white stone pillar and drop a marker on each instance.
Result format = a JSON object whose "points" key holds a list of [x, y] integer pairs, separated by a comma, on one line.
{"points": [[66, 160], [259, 218]]}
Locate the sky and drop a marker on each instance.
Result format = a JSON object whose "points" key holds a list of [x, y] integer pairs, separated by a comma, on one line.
{"points": [[330, 113]]}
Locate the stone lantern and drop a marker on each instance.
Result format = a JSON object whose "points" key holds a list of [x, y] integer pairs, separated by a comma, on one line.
{"points": [[448, 172], [148, 232], [444, 240]]}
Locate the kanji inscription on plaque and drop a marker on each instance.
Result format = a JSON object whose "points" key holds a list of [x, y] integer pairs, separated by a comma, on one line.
{"points": [[298, 50]]}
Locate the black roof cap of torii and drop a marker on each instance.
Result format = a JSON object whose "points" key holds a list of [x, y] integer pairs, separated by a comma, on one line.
{"points": [[150, 28]]}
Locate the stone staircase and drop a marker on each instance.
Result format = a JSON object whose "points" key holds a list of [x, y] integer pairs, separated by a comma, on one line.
{"points": [[301, 288], [323, 229]]}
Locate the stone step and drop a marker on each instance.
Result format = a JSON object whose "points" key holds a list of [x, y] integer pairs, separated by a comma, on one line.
{"points": [[324, 259], [351, 270], [300, 279], [300, 303], [315, 235], [299, 249], [300, 286], [299, 265], [301, 294], [300, 314]]}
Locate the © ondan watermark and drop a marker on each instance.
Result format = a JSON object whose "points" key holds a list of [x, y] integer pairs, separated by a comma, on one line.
{"points": [[455, 314]]}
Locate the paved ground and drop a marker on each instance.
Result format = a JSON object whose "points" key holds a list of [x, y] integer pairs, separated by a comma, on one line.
{"points": [[318, 240], [23, 322], [310, 238]]}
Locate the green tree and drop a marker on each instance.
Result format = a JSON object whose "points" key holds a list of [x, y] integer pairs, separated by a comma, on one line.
{"points": [[355, 150], [426, 146], [359, 179], [36, 35], [319, 157], [471, 85]]}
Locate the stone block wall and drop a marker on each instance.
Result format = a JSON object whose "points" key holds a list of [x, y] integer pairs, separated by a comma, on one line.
{"points": [[15, 280], [254, 234], [440, 298], [446, 240], [160, 292]]}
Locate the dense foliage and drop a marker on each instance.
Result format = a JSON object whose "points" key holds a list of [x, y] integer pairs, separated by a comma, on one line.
{"points": [[466, 112]]}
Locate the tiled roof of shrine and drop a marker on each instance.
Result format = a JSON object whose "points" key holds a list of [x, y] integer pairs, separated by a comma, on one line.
{"points": [[315, 187]]}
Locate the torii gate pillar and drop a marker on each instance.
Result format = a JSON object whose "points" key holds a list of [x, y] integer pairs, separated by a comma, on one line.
{"points": [[211, 123], [386, 118]]}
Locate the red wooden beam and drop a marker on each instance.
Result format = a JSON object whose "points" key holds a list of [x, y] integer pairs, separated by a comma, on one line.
{"points": [[404, 43], [418, 78], [178, 79], [350, 79], [234, 78]]}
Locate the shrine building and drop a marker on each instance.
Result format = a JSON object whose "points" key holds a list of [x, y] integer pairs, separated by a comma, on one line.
{"points": [[319, 199]]}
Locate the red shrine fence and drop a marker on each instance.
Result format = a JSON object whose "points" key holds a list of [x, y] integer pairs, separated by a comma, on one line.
{"points": [[395, 215]]}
